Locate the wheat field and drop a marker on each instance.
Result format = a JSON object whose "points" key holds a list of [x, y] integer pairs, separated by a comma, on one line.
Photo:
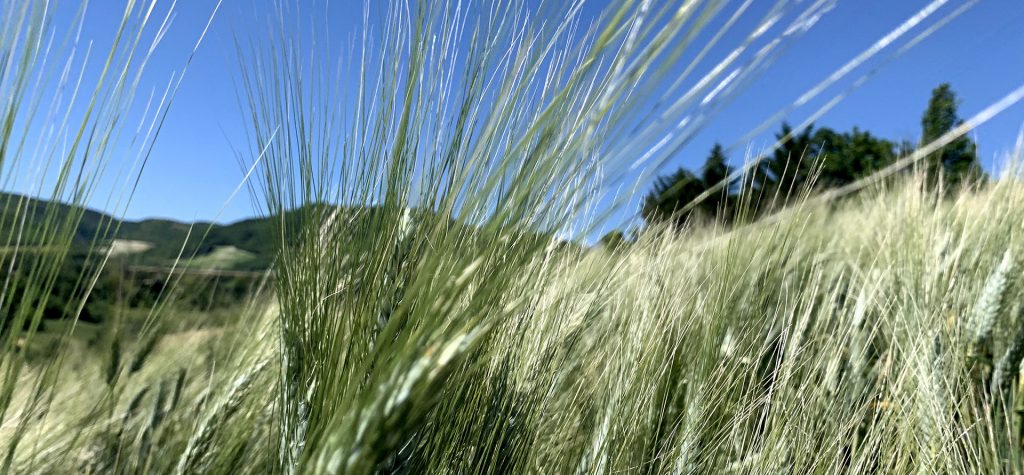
{"points": [[425, 312]]}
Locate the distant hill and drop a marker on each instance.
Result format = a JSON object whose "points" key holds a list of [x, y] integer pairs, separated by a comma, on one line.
{"points": [[142, 253], [243, 245]]}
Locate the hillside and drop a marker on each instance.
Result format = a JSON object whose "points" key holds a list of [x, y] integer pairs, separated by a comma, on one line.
{"points": [[245, 245], [158, 242]]}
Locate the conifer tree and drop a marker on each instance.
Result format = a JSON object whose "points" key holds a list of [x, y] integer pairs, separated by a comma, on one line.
{"points": [[957, 162]]}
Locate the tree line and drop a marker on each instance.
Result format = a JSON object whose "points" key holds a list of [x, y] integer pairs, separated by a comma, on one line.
{"points": [[807, 161]]}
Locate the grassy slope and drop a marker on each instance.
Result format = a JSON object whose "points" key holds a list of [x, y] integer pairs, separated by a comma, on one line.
{"points": [[827, 340]]}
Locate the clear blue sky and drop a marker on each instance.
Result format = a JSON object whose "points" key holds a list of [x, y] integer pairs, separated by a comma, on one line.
{"points": [[193, 169]]}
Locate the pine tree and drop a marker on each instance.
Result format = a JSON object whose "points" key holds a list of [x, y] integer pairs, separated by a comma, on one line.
{"points": [[957, 162], [715, 168], [670, 195], [715, 171], [851, 156], [788, 170]]}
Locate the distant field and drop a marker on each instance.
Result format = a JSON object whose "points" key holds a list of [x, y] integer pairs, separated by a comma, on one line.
{"points": [[120, 247], [223, 257]]}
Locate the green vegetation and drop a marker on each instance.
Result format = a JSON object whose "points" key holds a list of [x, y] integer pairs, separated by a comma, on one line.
{"points": [[957, 161], [814, 343], [164, 240], [810, 160], [421, 314], [146, 263]]}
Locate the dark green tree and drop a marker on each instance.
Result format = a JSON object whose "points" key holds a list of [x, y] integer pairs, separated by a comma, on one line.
{"points": [[833, 148], [851, 156], [716, 170], [614, 240], [787, 170], [811, 158], [957, 162], [666, 202], [671, 194]]}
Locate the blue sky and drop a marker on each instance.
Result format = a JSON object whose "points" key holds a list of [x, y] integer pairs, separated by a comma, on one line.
{"points": [[193, 169]]}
